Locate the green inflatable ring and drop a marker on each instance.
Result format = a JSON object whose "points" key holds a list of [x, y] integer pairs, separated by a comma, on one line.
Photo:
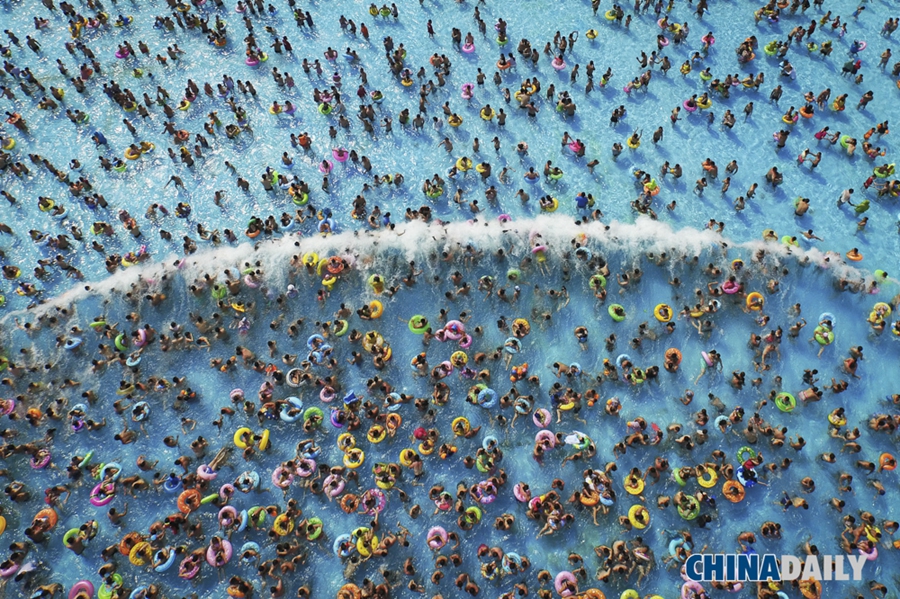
{"points": [[421, 329], [612, 312], [70, 534], [105, 592], [318, 532], [694, 511], [345, 326], [748, 450], [785, 402], [313, 411], [120, 342]]}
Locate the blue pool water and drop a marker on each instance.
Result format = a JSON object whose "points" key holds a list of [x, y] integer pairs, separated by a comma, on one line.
{"points": [[807, 274]]}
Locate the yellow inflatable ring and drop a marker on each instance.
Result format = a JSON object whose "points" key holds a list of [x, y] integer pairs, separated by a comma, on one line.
{"points": [[264, 441], [425, 449], [238, 438], [632, 516], [140, 554], [708, 483], [354, 458], [310, 259], [660, 316], [634, 485], [376, 309], [406, 456], [283, 525], [461, 426], [366, 551], [346, 442], [755, 301], [376, 434]]}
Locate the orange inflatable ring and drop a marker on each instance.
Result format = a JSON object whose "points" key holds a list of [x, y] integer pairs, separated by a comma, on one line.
{"points": [[49, 514], [887, 462], [349, 591], [811, 589], [189, 501], [674, 354], [733, 491], [393, 420], [129, 541], [349, 503]]}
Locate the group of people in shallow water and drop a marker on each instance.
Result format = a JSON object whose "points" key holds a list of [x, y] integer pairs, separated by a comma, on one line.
{"points": [[318, 484], [364, 421]]}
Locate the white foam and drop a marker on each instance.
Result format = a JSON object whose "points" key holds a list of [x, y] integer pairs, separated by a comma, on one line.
{"points": [[417, 240]]}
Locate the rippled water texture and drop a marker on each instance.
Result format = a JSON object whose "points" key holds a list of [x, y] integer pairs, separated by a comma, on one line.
{"points": [[546, 265]]}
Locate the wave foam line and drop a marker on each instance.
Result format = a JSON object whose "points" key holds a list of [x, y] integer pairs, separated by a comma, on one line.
{"points": [[417, 240]]}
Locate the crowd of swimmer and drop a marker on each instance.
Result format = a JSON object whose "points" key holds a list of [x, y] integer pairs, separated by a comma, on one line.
{"points": [[312, 391], [86, 187], [181, 539]]}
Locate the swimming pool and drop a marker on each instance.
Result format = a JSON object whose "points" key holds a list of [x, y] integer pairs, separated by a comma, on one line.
{"points": [[624, 242]]}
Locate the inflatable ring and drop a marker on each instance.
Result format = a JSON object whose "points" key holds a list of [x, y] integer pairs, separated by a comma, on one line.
{"points": [[708, 483], [376, 309], [239, 435], [377, 433], [692, 513], [48, 514], [755, 301], [881, 174], [349, 590], [551, 207], [340, 327], [106, 591], [634, 485], [785, 402], [748, 451], [354, 458], [823, 336], [346, 442], [614, 312], [836, 420], [887, 462], [733, 491], [660, 316], [632, 516], [421, 329], [283, 525], [610, 15]]}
